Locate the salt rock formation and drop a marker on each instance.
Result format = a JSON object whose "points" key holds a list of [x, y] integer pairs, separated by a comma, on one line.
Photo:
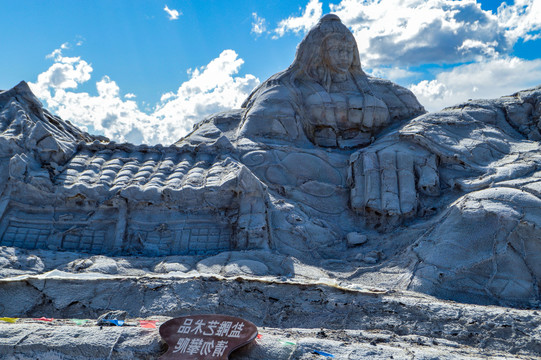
{"points": [[321, 162], [64, 189]]}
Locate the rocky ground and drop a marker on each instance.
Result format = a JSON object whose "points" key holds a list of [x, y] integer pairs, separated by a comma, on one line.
{"points": [[297, 313], [61, 341]]}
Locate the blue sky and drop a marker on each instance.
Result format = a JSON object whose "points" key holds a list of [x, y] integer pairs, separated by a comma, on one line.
{"points": [[145, 71]]}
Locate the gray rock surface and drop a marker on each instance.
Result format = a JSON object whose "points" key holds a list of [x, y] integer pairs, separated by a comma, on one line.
{"points": [[294, 318], [329, 209]]}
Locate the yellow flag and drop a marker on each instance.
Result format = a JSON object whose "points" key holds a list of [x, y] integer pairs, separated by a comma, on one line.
{"points": [[9, 320]]}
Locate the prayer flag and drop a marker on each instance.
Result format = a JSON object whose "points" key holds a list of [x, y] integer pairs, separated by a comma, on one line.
{"points": [[44, 319], [115, 321], [8, 319], [287, 342], [323, 353], [149, 324]]}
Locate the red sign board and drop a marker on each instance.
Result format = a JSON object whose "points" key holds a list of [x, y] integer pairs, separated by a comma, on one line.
{"points": [[202, 337]]}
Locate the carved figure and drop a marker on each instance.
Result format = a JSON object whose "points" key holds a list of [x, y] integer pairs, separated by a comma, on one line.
{"points": [[318, 154], [468, 175], [325, 95]]}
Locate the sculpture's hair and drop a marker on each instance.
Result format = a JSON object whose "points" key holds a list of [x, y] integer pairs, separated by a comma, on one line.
{"points": [[309, 63]]}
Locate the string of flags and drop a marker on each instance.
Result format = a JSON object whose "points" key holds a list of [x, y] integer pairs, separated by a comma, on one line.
{"points": [[148, 324]]}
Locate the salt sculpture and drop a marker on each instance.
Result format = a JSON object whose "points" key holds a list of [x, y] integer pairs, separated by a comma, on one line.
{"points": [[318, 154]]}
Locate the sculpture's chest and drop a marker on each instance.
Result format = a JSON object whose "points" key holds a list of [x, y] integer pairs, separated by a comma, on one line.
{"points": [[341, 107]]}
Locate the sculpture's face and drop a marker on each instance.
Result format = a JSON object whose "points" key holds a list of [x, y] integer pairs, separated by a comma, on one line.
{"points": [[339, 54]]}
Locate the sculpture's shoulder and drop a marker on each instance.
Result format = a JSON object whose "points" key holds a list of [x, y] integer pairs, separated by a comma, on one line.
{"points": [[273, 98], [272, 111], [272, 87], [401, 102]]}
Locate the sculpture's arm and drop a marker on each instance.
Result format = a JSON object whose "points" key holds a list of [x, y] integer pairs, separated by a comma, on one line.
{"points": [[482, 142], [467, 147], [387, 177]]}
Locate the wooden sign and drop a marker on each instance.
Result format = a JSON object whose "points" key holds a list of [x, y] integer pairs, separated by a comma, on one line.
{"points": [[203, 337]]}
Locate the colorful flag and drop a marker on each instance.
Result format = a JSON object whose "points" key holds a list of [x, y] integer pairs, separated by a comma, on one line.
{"points": [[44, 319], [323, 353], [149, 324], [115, 321], [287, 342], [8, 319]]}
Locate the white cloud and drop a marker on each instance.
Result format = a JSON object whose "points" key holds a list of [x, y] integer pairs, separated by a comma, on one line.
{"points": [[483, 80], [393, 35], [211, 88], [259, 24], [392, 73], [172, 13], [309, 17], [481, 49], [522, 19], [65, 73], [57, 52], [411, 32]]}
